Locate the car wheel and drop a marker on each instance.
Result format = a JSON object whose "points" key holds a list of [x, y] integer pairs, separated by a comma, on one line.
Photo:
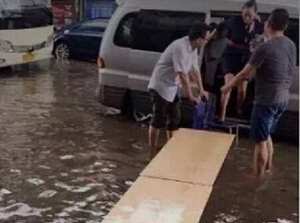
{"points": [[62, 51]]}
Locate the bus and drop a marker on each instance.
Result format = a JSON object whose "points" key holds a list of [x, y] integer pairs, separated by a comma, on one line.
{"points": [[26, 31]]}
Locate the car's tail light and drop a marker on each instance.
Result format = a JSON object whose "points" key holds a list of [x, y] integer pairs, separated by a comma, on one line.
{"points": [[100, 62]]}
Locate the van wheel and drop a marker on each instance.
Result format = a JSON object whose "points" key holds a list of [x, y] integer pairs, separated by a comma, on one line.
{"points": [[62, 51]]}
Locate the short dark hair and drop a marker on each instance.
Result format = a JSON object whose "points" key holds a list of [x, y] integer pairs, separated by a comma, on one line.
{"points": [[250, 4], [222, 30], [279, 19], [198, 30]]}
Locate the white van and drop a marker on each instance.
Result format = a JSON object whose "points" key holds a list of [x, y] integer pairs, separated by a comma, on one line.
{"points": [[140, 30]]}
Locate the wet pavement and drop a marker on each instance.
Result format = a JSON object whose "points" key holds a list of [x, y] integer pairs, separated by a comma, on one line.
{"points": [[63, 161]]}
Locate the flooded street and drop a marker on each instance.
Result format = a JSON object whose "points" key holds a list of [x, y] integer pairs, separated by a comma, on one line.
{"points": [[63, 161]]}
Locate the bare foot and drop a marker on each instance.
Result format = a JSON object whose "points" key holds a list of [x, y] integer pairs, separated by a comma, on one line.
{"points": [[264, 182]]}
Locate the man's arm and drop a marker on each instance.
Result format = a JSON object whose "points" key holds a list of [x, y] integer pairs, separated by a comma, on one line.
{"points": [[197, 77], [186, 85], [248, 71], [246, 74]]}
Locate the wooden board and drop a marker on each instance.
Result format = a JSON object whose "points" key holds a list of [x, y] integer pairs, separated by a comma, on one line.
{"points": [[152, 200], [191, 156]]}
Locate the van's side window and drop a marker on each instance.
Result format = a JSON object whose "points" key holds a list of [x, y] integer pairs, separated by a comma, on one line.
{"points": [[124, 37], [154, 30]]}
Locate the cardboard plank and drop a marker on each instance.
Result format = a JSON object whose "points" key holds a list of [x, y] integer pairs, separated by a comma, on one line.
{"points": [[191, 156], [152, 200]]}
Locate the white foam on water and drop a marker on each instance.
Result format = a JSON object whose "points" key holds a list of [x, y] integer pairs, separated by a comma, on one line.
{"points": [[129, 183], [74, 189], [68, 202], [62, 214], [114, 186], [44, 167], [81, 189], [98, 164], [227, 218], [106, 170], [60, 220], [20, 209], [76, 171], [95, 185], [279, 220], [112, 165], [63, 186], [35, 181], [81, 204], [67, 157], [15, 171], [47, 194], [4, 191], [76, 208], [64, 174], [91, 198]]}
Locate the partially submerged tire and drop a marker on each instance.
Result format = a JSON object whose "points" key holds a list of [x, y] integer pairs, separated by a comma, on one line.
{"points": [[62, 51]]}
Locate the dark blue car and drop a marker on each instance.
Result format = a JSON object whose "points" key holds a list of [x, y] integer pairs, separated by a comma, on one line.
{"points": [[80, 41]]}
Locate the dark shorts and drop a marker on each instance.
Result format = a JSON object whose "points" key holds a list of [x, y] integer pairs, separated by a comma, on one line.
{"points": [[234, 63], [165, 114], [264, 120]]}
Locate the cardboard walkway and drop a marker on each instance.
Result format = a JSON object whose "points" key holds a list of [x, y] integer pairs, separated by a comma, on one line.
{"points": [[160, 201], [192, 157], [176, 185]]}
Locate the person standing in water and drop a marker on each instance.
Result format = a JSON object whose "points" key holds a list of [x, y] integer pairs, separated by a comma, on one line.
{"points": [[275, 65], [176, 65]]}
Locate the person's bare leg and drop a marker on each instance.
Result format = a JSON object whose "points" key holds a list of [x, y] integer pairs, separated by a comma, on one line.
{"points": [[261, 155], [225, 98], [153, 141], [255, 161], [241, 96], [270, 146]]}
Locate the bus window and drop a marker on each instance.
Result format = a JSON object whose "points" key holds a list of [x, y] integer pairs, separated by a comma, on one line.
{"points": [[22, 14]]}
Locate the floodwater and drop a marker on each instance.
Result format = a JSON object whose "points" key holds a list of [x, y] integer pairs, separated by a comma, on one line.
{"points": [[63, 161]]}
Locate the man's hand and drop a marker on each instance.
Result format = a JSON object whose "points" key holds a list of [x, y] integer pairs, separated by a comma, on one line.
{"points": [[204, 94], [195, 100], [226, 88], [211, 34]]}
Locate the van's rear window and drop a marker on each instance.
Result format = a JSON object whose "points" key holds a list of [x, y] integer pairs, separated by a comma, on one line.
{"points": [[153, 30]]}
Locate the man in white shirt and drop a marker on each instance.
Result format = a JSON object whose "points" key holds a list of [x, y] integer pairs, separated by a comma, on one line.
{"points": [[176, 65]]}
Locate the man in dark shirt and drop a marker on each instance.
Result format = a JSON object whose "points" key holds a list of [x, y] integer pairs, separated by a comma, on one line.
{"points": [[242, 29], [275, 65]]}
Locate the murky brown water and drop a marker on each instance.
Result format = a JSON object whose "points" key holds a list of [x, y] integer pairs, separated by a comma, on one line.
{"points": [[62, 161]]}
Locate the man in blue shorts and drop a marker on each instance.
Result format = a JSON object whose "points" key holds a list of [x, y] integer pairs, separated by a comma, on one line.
{"points": [[275, 65]]}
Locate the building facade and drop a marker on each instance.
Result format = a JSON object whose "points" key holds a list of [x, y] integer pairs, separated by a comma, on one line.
{"points": [[66, 12], [98, 8]]}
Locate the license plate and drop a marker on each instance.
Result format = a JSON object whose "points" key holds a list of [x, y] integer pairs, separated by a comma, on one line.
{"points": [[28, 57]]}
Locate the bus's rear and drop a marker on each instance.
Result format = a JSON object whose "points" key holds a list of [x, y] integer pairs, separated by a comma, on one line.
{"points": [[26, 31]]}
